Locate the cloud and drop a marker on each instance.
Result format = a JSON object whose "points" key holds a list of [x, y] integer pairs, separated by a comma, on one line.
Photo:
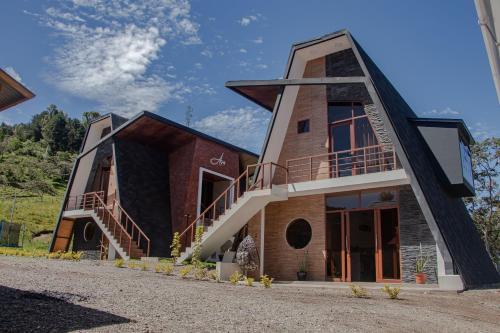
{"points": [[261, 66], [207, 53], [243, 127], [109, 49], [481, 131], [444, 112], [198, 65], [242, 50], [258, 40], [246, 20], [12, 72]]}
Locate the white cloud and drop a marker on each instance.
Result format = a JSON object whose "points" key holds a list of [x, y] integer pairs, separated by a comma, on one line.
{"points": [[444, 112], [12, 72], [243, 50], [481, 131], [243, 127], [258, 40], [207, 53], [109, 49], [261, 66], [246, 20], [198, 65]]}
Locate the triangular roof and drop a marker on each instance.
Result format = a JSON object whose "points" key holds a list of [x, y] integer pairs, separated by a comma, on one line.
{"points": [[446, 215], [12, 92]]}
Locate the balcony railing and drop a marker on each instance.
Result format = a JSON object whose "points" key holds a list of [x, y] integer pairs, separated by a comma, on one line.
{"points": [[354, 162]]}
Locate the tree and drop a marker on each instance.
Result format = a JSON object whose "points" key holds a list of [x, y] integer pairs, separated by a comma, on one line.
{"points": [[88, 117], [485, 206], [75, 133], [54, 130]]}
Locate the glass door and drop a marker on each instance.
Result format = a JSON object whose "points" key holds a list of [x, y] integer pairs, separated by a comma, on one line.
{"points": [[388, 260], [335, 246], [341, 144]]}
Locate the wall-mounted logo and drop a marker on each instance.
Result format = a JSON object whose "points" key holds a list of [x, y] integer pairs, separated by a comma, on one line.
{"points": [[218, 161]]}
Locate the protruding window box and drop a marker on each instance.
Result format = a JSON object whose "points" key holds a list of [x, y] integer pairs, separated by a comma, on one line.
{"points": [[449, 141]]}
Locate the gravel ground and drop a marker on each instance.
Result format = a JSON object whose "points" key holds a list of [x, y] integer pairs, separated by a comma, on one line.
{"points": [[40, 295]]}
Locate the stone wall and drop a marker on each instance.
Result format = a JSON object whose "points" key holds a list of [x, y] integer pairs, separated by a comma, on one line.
{"points": [[414, 232]]}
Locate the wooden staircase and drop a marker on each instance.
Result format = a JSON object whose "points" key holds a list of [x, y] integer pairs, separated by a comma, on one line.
{"points": [[122, 232]]}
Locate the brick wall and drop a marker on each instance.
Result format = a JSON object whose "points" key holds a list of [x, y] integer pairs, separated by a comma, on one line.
{"points": [[185, 164], [280, 260]]}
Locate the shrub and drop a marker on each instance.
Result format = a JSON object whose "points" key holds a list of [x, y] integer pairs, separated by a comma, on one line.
{"points": [[54, 255], [200, 273], [77, 255], [66, 256], [266, 281], [119, 263], [184, 271], [144, 266], [358, 291], [168, 269], [249, 281], [392, 292], [176, 247], [235, 278], [196, 256], [132, 264], [212, 275], [158, 268]]}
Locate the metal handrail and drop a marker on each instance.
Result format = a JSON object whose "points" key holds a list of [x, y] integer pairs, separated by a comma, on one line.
{"points": [[259, 183], [369, 159], [94, 201]]}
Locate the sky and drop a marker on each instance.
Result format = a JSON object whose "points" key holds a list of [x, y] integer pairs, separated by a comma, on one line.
{"points": [[168, 55]]}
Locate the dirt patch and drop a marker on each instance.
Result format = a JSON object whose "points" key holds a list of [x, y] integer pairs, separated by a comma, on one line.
{"points": [[128, 300]]}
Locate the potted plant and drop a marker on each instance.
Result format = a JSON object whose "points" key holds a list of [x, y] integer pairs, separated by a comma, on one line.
{"points": [[302, 273], [420, 277]]}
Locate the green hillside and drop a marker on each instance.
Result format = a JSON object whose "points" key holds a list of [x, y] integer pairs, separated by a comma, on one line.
{"points": [[35, 162]]}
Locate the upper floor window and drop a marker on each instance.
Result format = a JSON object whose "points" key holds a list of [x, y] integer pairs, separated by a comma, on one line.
{"points": [[303, 126]]}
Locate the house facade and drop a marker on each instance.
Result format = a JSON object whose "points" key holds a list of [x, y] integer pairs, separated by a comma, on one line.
{"points": [[350, 185], [138, 181], [351, 182]]}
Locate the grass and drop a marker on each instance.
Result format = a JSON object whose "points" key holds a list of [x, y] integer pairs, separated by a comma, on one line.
{"points": [[38, 213]]}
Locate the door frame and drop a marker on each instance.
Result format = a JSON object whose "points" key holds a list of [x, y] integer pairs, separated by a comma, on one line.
{"points": [[200, 184], [346, 242]]}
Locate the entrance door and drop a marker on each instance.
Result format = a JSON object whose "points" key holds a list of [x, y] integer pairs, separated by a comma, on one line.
{"points": [[363, 245]]}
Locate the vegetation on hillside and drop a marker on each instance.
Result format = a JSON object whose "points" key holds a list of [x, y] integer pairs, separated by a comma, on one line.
{"points": [[35, 164]]}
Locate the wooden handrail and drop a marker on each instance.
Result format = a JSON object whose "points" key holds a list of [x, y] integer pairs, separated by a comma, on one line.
{"points": [[98, 205]]}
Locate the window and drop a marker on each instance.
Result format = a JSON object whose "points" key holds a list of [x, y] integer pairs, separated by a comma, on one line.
{"points": [[298, 233], [303, 126], [89, 231]]}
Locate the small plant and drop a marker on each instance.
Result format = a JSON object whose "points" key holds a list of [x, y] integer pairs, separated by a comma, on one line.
{"points": [[421, 262], [168, 269], [196, 256], [144, 266], [54, 255], [392, 292], [77, 255], [212, 275], [158, 268], [132, 264], [200, 273], [303, 263], [176, 247], [235, 278], [119, 263], [266, 281], [66, 256], [184, 271], [249, 281], [358, 291]]}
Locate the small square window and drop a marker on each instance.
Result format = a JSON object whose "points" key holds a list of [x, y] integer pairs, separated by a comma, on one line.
{"points": [[303, 126]]}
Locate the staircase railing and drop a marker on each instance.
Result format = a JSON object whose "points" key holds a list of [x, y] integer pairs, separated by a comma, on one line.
{"points": [[119, 223], [255, 177]]}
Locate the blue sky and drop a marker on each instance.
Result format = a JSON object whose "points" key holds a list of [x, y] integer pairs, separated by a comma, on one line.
{"points": [[123, 56]]}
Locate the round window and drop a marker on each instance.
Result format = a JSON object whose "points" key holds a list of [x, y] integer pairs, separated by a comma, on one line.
{"points": [[298, 233], [89, 231]]}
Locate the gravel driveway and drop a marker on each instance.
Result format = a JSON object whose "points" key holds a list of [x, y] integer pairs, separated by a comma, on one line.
{"points": [[40, 295]]}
